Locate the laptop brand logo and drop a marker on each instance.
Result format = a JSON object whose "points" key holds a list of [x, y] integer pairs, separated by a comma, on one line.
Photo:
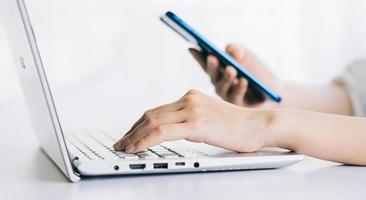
{"points": [[21, 60]]}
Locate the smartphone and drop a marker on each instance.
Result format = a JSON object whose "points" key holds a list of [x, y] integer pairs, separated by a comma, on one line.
{"points": [[257, 91]]}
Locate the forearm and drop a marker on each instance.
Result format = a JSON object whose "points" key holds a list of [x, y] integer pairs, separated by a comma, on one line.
{"points": [[325, 136], [331, 98]]}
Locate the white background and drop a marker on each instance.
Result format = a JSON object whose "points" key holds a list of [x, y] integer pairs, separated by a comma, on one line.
{"points": [[102, 57]]}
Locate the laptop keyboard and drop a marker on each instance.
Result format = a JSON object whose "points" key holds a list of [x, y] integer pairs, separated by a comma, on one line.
{"points": [[99, 147]]}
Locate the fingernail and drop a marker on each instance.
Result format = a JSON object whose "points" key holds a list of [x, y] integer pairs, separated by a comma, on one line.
{"points": [[116, 146], [209, 63], [130, 148]]}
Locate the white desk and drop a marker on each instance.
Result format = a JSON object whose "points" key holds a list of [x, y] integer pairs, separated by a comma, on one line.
{"points": [[27, 173]]}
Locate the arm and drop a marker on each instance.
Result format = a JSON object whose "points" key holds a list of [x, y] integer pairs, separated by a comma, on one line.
{"points": [[201, 118], [325, 136]]}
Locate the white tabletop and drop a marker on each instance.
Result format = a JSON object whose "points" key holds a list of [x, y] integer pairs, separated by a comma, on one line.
{"points": [[26, 173]]}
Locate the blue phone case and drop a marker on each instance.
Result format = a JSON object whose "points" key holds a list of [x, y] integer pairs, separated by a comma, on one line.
{"points": [[255, 85]]}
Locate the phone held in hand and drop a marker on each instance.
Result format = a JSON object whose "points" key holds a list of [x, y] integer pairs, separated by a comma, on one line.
{"points": [[256, 90]]}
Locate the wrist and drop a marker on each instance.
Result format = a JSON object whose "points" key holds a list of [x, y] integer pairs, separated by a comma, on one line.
{"points": [[277, 128], [263, 123], [269, 121]]}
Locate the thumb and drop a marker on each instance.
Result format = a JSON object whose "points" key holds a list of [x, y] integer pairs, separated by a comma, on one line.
{"points": [[236, 51]]}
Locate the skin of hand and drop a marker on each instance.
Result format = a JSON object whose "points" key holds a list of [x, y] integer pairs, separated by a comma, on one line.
{"points": [[201, 118], [232, 88], [294, 96]]}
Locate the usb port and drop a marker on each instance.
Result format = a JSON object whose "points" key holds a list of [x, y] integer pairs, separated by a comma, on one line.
{"points": [[137, 166], [180, 163], [160, 165]]}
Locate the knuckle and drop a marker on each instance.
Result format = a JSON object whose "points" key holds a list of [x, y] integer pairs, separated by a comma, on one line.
{"points": [[147, 114], [192, 92], [150, 119], [160, 131], [231, 46], [189, 100]]}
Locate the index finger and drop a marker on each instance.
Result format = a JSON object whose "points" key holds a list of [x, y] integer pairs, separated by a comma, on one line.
{"points": [[164, 133], [171, 107], [150, 125]]}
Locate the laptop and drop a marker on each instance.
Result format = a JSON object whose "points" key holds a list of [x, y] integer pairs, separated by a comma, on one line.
{"points": [[82, 154]]}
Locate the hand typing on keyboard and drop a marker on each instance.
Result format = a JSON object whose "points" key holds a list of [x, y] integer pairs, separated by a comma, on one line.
{"points": [[199, 118]]}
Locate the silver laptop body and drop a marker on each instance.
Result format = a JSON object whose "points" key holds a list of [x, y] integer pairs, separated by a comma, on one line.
{"points": [[90, 153]]}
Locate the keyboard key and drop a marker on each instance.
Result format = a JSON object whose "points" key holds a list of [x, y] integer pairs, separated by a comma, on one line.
{"points": [[158, 148], [189, 155], [130, 157], [126, 156], [171, 156], [168, 155], [147, 155]]}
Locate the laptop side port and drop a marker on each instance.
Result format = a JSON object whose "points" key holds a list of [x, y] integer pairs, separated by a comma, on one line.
{"points": [[160, 165], [137, 166], [180, 164]]}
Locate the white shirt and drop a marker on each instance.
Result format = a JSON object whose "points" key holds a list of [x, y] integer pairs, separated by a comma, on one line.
{"points": [[354, 80]]}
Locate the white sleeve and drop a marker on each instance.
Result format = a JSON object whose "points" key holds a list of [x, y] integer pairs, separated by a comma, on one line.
{"points": [[354, 81]]}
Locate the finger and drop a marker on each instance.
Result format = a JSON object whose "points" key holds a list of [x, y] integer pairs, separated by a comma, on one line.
{"points": [[137, 123], [213, 68], [171, 107], [236, 51], [163, 133], [199, 57], [227, 81], [150, 124], [121, 143], [237, 94], [161, 109]]}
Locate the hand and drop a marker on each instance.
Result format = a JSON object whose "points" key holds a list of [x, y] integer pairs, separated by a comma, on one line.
{"points": [[229, 86], [199, 118]]}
